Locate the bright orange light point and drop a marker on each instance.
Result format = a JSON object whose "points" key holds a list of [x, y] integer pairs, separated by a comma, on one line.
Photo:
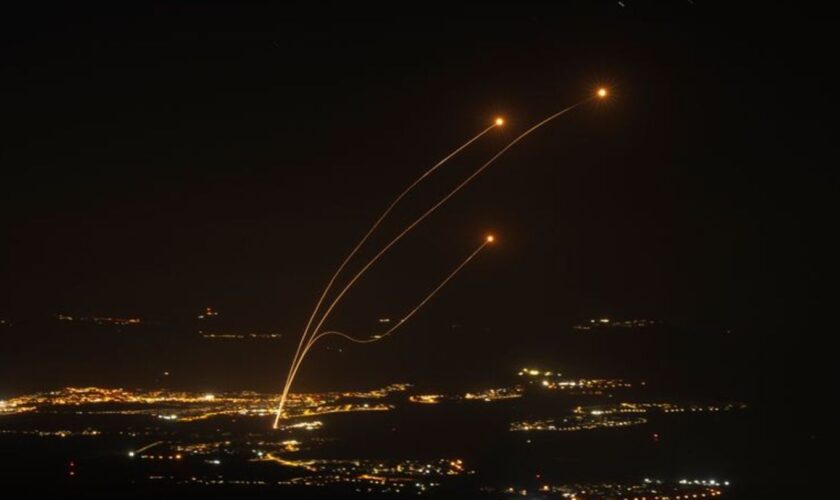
{"points": [[500, 121], [602, 92], [490, 238]]}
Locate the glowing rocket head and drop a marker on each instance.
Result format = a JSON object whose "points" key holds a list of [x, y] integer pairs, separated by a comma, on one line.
{"points": [[500, 121], [602, 92], [490, 238]]}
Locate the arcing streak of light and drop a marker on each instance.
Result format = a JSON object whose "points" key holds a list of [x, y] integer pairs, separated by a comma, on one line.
{"points": [[428, 297], [497, 123], [399, 323]]}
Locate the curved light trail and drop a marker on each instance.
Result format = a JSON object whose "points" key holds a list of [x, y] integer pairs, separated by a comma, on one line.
{"points": [[313, 335], [401, 322], [497, 123]]}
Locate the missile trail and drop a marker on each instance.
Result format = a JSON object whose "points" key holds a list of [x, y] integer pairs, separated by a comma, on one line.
{"points": [[405, 318], [375, 258], [398, 324], [497, 123], [416, 308]]}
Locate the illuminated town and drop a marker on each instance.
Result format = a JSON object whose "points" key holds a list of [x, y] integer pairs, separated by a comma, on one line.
{"points": [[551, 380], [240, 336], [618, 415], [100, 320], [172, 429], [607, 323], [648, 489], [187, 407]]}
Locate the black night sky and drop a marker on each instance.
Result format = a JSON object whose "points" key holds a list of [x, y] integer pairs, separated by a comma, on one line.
{"points": [[160, 159]]}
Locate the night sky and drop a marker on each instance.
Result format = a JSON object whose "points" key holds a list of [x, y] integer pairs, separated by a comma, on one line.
{"points": [[157, 160]]}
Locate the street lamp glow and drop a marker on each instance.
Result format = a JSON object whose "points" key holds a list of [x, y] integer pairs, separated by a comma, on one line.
{"points": [[500, 121], [602, 92], [490, 238]]}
